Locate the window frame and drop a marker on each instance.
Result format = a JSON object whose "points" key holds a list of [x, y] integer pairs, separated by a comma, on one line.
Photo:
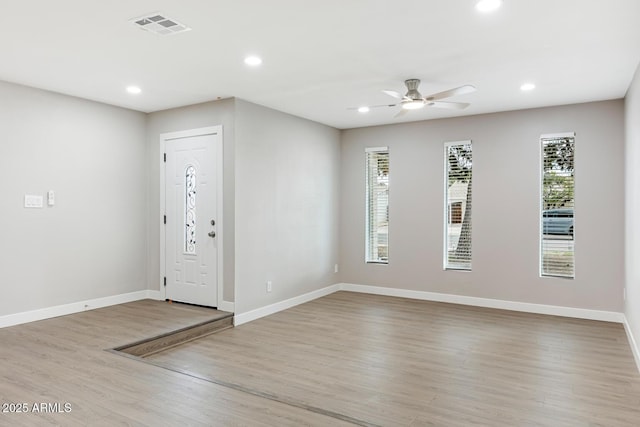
{"points": [[541, 209], [368, 243], [446, 265]]}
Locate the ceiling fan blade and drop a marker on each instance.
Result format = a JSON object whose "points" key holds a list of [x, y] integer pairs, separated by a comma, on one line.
{"points": [[401, 113], [451, 92], [382, 105], [449, 105], [393, 93]]}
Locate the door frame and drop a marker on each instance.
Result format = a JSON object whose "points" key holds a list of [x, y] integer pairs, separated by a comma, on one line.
{"points": [[169, 136]]}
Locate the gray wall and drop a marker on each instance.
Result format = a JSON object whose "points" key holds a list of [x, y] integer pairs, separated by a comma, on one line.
{"points": [[287, 191], [102, 237], [180, 119], [505, 206], [632, 122], [294, 202], [93, 242]]}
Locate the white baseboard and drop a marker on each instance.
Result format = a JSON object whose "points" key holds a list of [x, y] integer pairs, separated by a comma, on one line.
{"points": [[580, 313], [553, 310], [632, 342], [76, 307], [243, 318], [227, 306], [156, 295]]}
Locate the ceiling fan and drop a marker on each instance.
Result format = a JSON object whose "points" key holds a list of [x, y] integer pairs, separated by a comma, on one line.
{"points": [[414, 100]]}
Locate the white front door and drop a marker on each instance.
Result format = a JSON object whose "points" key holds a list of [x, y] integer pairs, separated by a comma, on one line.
{"points": [[192, 220]]}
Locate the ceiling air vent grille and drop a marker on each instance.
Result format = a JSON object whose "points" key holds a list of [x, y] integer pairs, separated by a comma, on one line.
{"points": [[159, 24]]}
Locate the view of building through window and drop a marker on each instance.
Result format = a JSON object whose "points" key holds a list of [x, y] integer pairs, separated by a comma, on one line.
{"points": [[458, 174]]}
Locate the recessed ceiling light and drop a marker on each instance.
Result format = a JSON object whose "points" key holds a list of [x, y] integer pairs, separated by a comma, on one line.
{"points": [[527, 87], [253, 61], [488, 5], [363, 110], [134, 90]]}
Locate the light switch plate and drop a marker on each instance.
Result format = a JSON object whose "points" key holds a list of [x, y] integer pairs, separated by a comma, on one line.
{"points": [[33, 201]]}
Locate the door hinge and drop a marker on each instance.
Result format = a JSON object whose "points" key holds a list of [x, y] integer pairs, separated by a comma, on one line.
{"points": [[165, 282], [165, 219], [165, 157]]}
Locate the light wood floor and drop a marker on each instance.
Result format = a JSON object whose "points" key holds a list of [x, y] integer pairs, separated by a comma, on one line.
{"points": [[63, 360], [341, 360]]}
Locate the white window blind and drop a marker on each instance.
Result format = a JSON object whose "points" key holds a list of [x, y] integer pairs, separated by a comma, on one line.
{"points": [[557, 206], [377, 228], [458, 173]]}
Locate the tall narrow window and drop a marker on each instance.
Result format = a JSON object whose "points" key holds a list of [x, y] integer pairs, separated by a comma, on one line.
{"points": [[377, 231], [458, 173], [190, 211], [557, 206]]}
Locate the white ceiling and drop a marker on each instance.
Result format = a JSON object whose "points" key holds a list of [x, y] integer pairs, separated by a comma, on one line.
{"points": [[321, 57]]}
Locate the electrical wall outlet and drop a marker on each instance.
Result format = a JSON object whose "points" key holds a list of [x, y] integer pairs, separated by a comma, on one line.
{"points": [[269, 286], [335, 268]]}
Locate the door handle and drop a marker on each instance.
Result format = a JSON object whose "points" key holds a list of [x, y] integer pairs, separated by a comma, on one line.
{"points": [[212, 234]]}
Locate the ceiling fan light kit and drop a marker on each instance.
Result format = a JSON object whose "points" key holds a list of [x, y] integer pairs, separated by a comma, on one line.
{"points": [[415, 104]]}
